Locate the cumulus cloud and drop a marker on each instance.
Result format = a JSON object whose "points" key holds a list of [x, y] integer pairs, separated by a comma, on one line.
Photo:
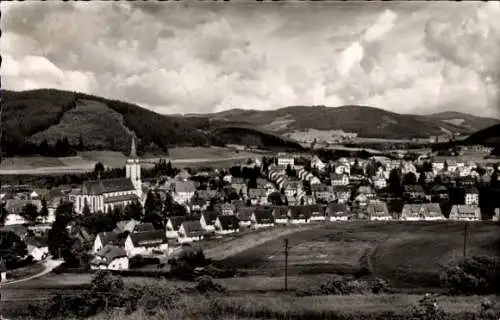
{"points": [[189, 57]]}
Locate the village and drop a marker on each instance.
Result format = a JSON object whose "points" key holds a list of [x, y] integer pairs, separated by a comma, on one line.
{"points": [[158, 217]]}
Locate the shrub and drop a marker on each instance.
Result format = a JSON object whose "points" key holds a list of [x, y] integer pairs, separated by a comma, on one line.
{"points": [[486, 311], [428, 309], [139, 261], [205, 284], [379, 285]]}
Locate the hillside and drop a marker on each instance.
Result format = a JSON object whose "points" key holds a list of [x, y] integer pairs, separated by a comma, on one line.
{"points": [[365, 121], [94, 123], [489, 136]]}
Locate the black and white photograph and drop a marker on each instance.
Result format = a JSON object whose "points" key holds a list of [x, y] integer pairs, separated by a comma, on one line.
{"points": [[250, 160]]}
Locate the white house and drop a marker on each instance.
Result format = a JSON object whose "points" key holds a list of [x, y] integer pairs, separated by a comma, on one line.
{"points": [[3, 272], [262, 218], [378, 211], [317, 163], [465, 213], [337, 211], [111, 258], [285, 160], [104, 238], [183, 191], [472, 197], [227, 225], [244, 214], [172, 227], [190, 231], [280, 214], [147, 243]]}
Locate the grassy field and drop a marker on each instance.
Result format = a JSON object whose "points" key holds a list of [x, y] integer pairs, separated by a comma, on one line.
{"points": [[405, 253]]}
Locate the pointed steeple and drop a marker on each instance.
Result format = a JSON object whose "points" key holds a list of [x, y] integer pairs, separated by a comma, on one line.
{"points": [[133, 153]]}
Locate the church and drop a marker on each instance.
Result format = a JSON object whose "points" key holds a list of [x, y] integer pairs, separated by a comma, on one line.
{"points": [[105, 194]]}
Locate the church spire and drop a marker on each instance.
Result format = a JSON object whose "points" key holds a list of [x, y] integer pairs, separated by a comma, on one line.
{"points": [[133, 153]]}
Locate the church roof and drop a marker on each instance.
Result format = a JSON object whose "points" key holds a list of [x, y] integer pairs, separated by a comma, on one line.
{"points": [[99, 187], [121, 198]]}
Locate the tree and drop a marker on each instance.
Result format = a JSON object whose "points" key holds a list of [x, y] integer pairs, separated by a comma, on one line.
{"points": [[59, 241], [30, 212], [410, 179], [395, 182], [289, 170], [44, 212], [133, 211], [275, 199], [99, 168], [150, 204], [3, 213], [86, 208], [12, 248]]}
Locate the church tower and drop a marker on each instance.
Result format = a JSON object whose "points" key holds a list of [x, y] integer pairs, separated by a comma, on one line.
{"points": [[133, 169]]}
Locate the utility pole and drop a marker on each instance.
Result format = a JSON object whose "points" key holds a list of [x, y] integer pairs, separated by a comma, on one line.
{"points": [[466, 235], [286, 264]]}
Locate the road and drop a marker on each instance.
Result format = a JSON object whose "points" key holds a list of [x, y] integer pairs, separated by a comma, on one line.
{"points": [[48, 265]]}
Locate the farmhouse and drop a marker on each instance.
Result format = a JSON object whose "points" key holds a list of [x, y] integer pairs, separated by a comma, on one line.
{"points": [[257, 196], [339, 179], [299, 214], [37, 248], [104, 238], [323, 192], [190, 231], [317, 212], [262, 218], [472, 196], [337, 211], [207, 220], [414, 192], [465, 213], [172, 227], [378, 211], [424, 211], [280, 214], [239, 185], [111, 258], [343, 193], [146, 243], [103, 195], [227, 224]]}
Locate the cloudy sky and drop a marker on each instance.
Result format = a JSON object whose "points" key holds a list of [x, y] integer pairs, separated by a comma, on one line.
{"points": [[189, 57]]}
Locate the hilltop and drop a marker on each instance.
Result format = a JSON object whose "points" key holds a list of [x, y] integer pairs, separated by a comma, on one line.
{"points": [[366, 121], [84, 122]]}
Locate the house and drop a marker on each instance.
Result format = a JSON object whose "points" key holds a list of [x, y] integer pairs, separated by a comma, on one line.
{"points": [[299, 214], [3, 271], [285, 160], [141, 227], [207, 221], [343, 168], [339, 179], [317, 163], [244, 214], [111, 258], [126, 226], [262, 218], [432, 212], [367, 191], [414, 192], [472, 196], [379, 183], [146, 243], [190, 231], [440, 191], [183, 191], [103, 195], [343, 194], [257, 196], [280, 214], [317, 213], [37, 247], [292, 188], [438, 164], [206, 195], [172, 227], [104, 238], [227, 224], [424, 211], [337, 211], [465, 213], [239, 185], [323, 192], [226, 209], [378, 211]]}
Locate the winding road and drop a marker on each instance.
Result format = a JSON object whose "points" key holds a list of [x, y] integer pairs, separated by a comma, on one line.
{"points": [[48, 265]]}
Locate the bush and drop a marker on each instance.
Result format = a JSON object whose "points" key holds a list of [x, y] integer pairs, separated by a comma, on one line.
{"points": [[428, 309], [139, 261], [379, 285], [344, 286], [475, 275], [205, 284]]}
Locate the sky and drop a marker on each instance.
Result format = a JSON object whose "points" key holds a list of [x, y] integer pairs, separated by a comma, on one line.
{"points": [[187, 57]]}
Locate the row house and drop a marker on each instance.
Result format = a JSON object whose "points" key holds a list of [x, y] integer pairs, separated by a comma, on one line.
{"points": [[286, 160], [378, 211], [305, 175], [190, 231], [465, 213], [262, 218], [339, 179], [183, 191], [323, 192], [147, 243], [257, 196], [414, 192], [472, 197], [227, 225], [342, 193], [239, 185]]}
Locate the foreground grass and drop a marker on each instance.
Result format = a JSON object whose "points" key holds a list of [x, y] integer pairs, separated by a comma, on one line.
{"points": [[283, 307]]}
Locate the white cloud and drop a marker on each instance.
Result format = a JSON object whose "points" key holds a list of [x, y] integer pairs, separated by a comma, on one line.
{"points": [[175, 58]]}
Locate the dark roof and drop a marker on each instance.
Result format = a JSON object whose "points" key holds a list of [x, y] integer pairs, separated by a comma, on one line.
{"points": [[300, 212], [316, 209], [229, 222], [210, 217], [238, 181], [264, 216], [98, 187], [414, 188], [16, 206], [148, 238], [111, 252], [144, 227], [192, 228], [245, 213], [108, 237], [336, 209], [121, 198], [183, 186], [378, 209], [319, 187], [280, 211], [3, 268], [176, 222], [256, 192]]}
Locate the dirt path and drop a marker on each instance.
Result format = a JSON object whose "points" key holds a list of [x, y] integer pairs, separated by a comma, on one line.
{"points": [[230, 248], [48, 265]]}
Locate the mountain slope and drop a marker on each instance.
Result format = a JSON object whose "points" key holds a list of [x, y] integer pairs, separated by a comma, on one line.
{"points": [[489, 137], [474, 123], [363, 120], [47, 114]]}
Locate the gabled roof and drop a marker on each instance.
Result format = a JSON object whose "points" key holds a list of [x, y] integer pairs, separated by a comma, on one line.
{"points": [[99, 187], [184, 186], [245, 213], [107, 237], [148, 238], [365, 189], [238, 181], [300, 212], [257, 192], [337, 209], [110, 252], [121, 198], [144, 227], [228, 222], [414, 188], [192, 228], [463, 209], [210, 217], [176, 222], [206, 194], [126, 225], [263, 216], [377, 209]]}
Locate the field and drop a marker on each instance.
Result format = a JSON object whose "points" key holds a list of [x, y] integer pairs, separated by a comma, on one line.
{"points": [[408, 254], [85, 161]]}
